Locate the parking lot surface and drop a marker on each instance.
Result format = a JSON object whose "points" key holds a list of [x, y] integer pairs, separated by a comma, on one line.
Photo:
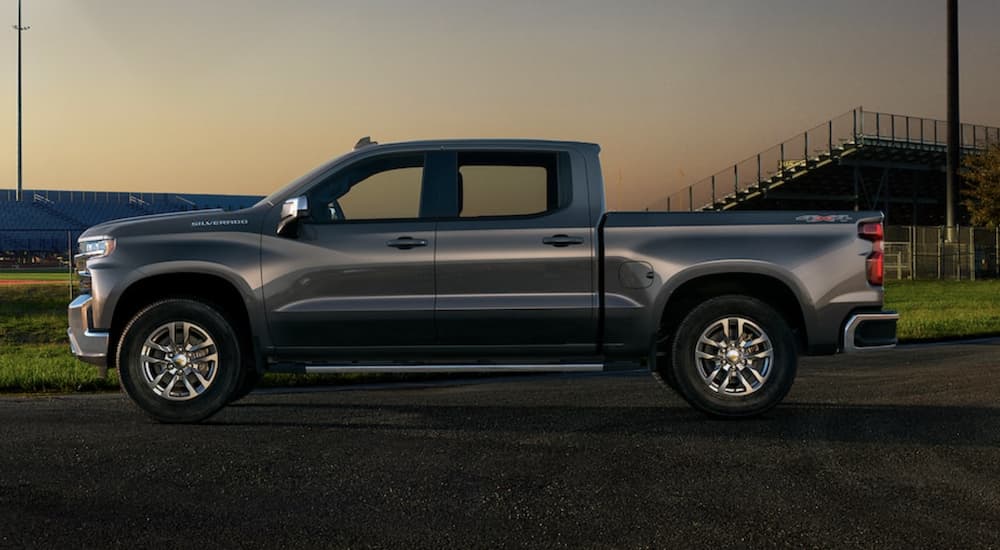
{"points": [[895, 449]]}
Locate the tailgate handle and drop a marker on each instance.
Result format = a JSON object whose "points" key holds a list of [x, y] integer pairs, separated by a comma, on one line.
{"points": [[406, 243], [561, 240]]}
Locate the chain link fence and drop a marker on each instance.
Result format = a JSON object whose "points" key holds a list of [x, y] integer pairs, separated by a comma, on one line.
{"points": [[927, 253], [37, 249], [38, 256]]}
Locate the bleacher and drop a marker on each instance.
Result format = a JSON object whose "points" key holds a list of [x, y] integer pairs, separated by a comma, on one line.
{"points": [[26, 215], [861, 160], [25, 227], [44, 222]]}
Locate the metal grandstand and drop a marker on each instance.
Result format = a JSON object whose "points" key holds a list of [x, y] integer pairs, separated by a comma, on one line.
{"points": [[859, 160], [45, 221]]}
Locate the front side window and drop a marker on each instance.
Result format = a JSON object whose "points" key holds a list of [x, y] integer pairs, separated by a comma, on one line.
{"points": [[384, 188]]}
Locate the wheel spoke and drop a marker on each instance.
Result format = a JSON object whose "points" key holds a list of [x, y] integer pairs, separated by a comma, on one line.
{"points": [[755, 342], [714, 373], [704, 340], [725, 328], [743, 379], [702, 355], [755, 374], [176, 335], [156, 381], [151, 344], [201, 379], [151, 359], [187, 384], [761, 355], [739, 328], [725, 381], [204, 345], [170, 386]]}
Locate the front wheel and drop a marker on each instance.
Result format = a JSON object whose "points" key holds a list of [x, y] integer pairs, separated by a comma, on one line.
{"points": [[179, 360], [734, 356], [249, 378]]}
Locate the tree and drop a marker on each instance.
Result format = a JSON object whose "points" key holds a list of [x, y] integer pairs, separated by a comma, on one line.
{"points": [[982, 192]]}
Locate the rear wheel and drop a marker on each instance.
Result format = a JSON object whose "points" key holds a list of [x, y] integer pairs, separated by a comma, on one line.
{"points": [[659, 357], [734, 356], [179, 360]]}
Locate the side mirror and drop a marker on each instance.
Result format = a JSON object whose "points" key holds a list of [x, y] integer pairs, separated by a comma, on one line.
{"points": [[291, 211]]}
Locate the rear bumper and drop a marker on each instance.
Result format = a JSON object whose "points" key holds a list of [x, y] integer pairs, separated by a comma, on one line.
{"points": [[86, 344], [870, 331]]}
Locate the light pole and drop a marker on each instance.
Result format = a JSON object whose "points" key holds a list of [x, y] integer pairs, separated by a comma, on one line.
{"points": [[954, 156], [20, 29]]}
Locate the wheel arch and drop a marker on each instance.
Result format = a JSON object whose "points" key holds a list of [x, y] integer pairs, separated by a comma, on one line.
{"points": [[773, 290], [210, 288]]}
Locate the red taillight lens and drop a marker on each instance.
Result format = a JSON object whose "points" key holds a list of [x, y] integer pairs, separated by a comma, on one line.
{"points": [[876, 268], [875, 264], [871, 231]]}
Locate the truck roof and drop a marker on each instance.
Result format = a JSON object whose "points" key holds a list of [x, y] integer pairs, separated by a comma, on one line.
{"points": [[479, 142]]}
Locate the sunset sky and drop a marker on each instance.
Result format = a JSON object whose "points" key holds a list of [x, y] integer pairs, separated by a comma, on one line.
{"points": [[242, 96]]}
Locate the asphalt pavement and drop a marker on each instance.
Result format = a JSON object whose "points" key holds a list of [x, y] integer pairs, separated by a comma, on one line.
{"points": [[897, 449]]}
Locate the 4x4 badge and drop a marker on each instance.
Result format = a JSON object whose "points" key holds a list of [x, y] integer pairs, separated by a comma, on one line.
{"points": [[814, 218]]}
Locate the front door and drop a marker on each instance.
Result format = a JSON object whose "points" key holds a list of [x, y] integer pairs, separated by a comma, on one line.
{"points": [[359, 276]]}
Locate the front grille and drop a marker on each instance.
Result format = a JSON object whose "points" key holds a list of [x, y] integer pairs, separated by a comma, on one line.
{"points": [[80, 262]]}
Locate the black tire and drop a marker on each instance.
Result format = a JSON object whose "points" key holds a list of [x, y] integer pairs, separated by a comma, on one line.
{"points": [[728, 402], [660, 365], [137, 374], [249, 378]]}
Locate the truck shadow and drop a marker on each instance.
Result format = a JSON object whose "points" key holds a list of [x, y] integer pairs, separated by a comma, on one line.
{"points": [[961, 426]]}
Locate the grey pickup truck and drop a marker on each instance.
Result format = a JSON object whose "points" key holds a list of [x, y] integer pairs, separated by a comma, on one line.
{"points": [[472, 256]]}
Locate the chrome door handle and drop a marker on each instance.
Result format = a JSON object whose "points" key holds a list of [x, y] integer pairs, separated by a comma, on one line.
{"points": [[406, 243], [560, 241]]}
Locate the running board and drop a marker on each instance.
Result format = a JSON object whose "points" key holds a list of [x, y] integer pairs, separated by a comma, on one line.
{"points": [[442, 368]]}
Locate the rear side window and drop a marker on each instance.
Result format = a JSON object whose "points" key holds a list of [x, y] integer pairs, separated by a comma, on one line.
{"points": [[508, 184]]}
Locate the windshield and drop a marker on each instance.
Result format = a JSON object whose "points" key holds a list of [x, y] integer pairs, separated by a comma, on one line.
{"points": [[273, 197]]}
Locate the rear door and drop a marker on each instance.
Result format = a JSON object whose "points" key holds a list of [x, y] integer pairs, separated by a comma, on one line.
{"points": [[360, 274], [514, 259]]}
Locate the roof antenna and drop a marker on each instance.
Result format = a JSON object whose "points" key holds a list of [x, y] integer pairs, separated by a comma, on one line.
{"points": [[364, 142]]}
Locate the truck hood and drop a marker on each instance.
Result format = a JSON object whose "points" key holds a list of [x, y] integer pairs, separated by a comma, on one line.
{"points": [[175, 222]]}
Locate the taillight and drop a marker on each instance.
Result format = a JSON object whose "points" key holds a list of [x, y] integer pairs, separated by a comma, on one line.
{"points": [[875, 264]]}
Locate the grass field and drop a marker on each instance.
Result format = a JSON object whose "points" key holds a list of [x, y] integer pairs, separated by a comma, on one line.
{"points": [[932, 310], [26, 275], [34, 353]]}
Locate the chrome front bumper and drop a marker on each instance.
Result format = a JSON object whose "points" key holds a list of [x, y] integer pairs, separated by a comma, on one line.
{"points": [[86, 345], [870, 331]]}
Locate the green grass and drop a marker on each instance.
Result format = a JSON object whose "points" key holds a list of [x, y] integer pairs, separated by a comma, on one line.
{"points": [[33, 315], [35, 357], [34, 353], [25, 275], [45, 368], [931, 310]]}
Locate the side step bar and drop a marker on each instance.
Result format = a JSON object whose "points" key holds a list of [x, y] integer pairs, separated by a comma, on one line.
{"points": [[443, 368]]}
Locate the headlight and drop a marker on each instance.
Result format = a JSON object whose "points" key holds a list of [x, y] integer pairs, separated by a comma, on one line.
{"points": [[96, 247]]}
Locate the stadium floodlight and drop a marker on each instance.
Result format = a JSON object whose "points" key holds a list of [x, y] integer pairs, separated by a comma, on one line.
{"points": [[20, 30]]}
